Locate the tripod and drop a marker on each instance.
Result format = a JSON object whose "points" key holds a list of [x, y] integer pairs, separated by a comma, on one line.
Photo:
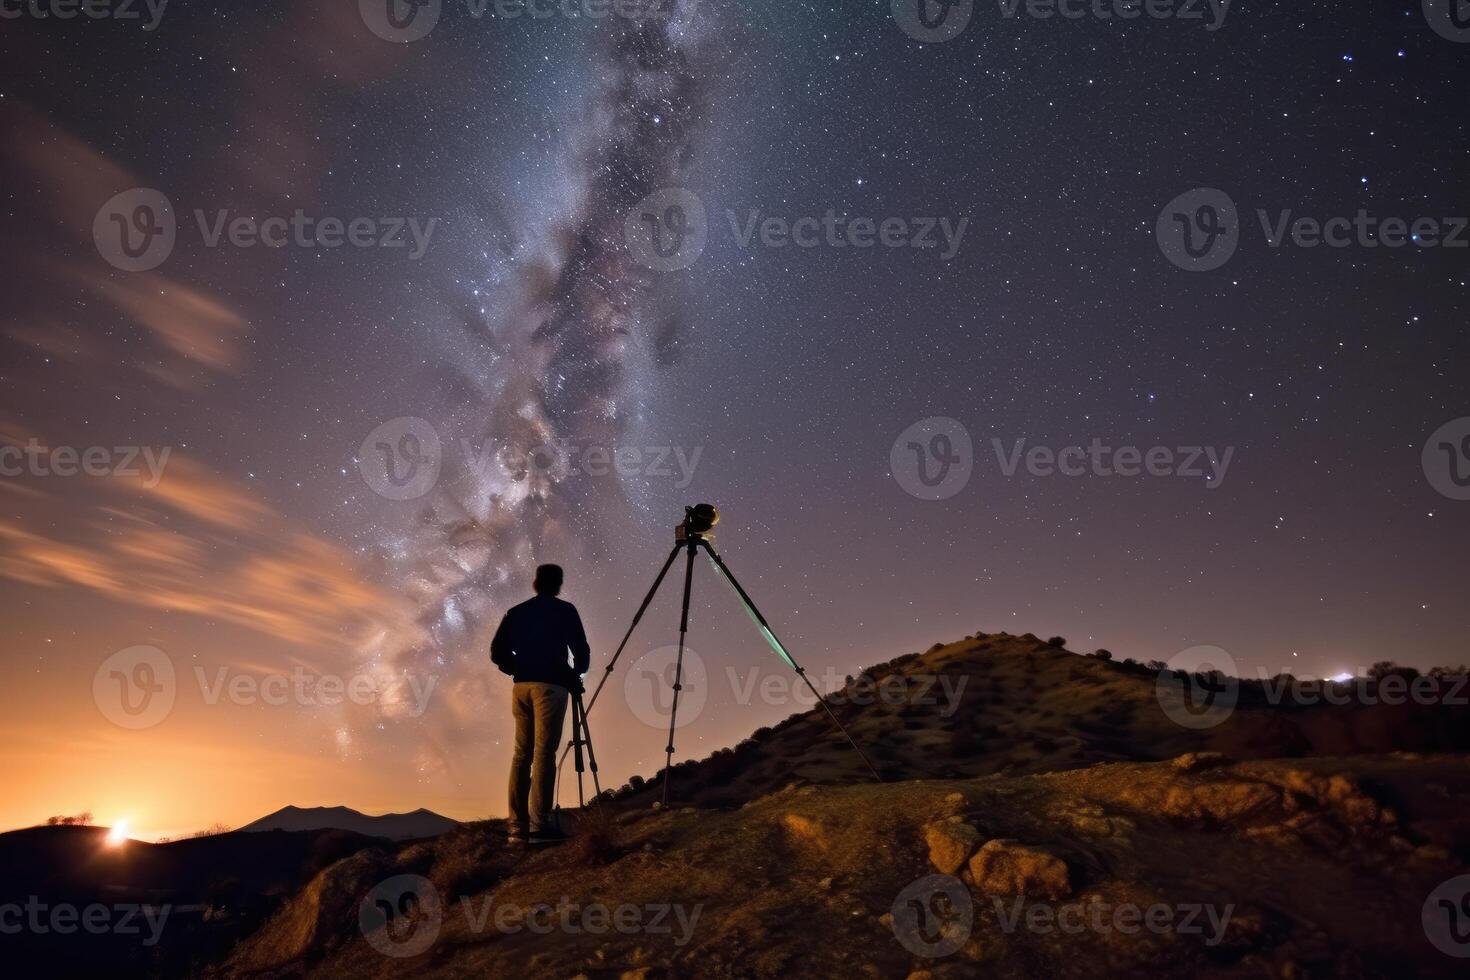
{"points": [[690, 538], [582, 735]]}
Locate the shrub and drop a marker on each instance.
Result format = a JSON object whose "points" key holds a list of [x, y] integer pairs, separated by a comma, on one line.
{"points": [[1102, 654], [597, 839], [1387, 668], [1057, 641]]}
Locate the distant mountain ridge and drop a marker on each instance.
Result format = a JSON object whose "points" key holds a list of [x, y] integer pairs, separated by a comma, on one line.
{"points": [[394, 826]]}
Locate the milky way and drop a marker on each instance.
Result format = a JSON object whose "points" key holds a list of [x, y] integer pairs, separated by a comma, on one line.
{"points": [[564, 344]]}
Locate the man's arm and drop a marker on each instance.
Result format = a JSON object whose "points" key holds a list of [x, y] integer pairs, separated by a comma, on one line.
{"points": [[581, 652], [501, 654]]}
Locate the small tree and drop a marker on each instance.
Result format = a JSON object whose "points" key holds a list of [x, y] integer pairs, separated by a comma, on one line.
{"points": [[1103, 654], [82, 819]]}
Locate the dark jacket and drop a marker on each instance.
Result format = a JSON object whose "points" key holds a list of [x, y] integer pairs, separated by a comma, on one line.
{"points": [[533, 639]]}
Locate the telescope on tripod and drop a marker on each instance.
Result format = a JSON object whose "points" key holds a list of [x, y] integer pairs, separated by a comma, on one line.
{"points": [[691, 536]]}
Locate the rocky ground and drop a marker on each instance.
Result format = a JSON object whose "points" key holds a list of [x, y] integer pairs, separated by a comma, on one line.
{"points": [[1197, 866], [1022, 851]]}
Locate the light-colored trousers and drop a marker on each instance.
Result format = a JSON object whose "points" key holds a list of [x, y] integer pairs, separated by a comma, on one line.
{"points": [[539, 710]]}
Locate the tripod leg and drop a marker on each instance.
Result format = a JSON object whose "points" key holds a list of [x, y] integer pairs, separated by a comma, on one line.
{"points": [[577, 729], [775, 644], [587, 738], [642, 608], [678, 669]]}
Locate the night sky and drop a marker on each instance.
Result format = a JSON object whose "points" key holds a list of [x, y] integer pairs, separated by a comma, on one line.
{"points": [[533, 314]]}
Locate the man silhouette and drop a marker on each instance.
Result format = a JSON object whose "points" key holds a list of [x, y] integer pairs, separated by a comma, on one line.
{"points": [[531, 645]]}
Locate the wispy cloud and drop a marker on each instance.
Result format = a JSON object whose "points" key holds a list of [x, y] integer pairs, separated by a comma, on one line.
{"points": [[266, 575]]}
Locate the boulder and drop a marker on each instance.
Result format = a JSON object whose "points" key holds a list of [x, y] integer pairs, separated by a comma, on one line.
{"points": [[1007, 867], [1196, 761], [951, 842]]}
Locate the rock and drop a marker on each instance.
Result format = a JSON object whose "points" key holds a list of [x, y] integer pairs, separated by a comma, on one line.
{"points": [[1225, 802], [1088, 819], [1197, 761], [804, 830], [951, 843], [1007, 867]]}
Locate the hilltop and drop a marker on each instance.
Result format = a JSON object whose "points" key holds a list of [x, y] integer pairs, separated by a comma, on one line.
{"points": [[1051, 790]]}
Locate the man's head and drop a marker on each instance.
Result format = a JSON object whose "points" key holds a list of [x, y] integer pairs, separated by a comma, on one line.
{"points": [[548, 580]]}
